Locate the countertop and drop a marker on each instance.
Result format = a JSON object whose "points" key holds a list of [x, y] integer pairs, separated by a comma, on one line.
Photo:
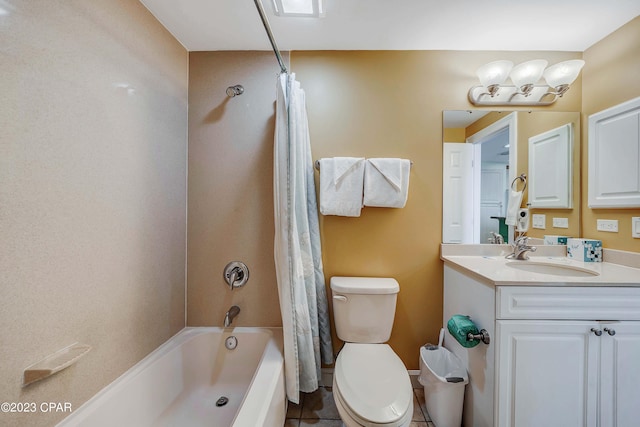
{"points": [[488, 264]]}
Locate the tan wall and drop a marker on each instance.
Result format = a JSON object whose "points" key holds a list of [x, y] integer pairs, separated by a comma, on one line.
{"points": [[92, 194], [390, 103], [610, 77], [231, 187], [453, 135]]}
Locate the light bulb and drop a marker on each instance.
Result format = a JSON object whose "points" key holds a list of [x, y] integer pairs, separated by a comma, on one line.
{"points": [[494, 73], [562, 74], [525, 75]]}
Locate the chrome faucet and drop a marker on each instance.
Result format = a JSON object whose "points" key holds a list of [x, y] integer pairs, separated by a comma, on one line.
{"points": [[496, 239], [520, 248], [228, 318]]}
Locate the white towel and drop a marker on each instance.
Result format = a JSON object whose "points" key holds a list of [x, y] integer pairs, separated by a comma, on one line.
{"points": [[386, 182], [341, 182], [513, 205]]}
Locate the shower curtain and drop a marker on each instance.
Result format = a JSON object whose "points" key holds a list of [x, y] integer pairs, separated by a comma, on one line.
{"points": [[301, 286]]}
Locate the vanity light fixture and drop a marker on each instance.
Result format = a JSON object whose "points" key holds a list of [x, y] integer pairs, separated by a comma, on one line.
{"points": [[525, 89], [299, 8]]}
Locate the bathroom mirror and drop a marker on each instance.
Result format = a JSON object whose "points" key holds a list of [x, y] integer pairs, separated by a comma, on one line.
{"points": [[483, 154]]}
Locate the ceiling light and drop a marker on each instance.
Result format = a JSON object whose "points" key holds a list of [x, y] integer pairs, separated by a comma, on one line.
{"points": [[299, 8], [525, 89]]}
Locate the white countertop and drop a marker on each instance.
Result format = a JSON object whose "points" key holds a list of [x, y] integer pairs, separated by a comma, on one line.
{"points": [[488, 263]]}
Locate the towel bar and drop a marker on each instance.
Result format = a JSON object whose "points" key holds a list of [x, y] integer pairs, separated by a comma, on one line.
{"points": [[316, 164]]}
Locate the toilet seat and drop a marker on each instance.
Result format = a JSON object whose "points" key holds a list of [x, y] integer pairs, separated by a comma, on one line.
{"points": [[373, 385]]}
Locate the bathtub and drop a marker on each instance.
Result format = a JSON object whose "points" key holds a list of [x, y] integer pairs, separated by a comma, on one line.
{"points": [[180, 383]]}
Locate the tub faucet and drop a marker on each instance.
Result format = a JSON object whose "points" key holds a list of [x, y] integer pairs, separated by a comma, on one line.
{"points": [[520, 248], [228, 318]]}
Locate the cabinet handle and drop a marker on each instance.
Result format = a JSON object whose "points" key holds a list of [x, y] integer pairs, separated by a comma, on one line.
{"points": [[598, 332], [611, 332]]}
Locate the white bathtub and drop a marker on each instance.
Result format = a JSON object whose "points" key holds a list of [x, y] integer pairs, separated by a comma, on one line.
{"points": [[179, 383]]}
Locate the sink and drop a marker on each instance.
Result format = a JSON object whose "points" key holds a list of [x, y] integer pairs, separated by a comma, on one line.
{"points": [[551, 268]]}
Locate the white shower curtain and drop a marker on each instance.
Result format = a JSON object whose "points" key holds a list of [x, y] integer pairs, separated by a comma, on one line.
{"points": [[301, 286]]}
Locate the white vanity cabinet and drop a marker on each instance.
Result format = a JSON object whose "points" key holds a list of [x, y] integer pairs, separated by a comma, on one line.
{"points": [[571, 359], [559, 373], [559, 355]]}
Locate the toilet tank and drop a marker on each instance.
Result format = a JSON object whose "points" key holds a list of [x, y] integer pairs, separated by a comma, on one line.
{"points": [[364, 308]]}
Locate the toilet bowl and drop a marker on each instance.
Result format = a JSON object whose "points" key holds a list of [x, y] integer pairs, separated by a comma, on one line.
{"points": [[371, 385]]}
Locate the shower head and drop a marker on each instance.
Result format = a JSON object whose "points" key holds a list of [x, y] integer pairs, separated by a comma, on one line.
{"points": [[235, 90]]}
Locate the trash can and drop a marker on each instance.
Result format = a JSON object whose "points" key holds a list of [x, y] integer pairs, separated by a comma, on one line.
{"points": [[444, 379]]}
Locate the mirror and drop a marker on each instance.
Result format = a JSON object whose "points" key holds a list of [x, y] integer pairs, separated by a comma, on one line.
{"points": [[484, 153]]}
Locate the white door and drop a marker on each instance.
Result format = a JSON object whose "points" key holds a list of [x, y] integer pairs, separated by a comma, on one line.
{"points": [[457, 203], [547, 373], [492, 188], [620, 368]]}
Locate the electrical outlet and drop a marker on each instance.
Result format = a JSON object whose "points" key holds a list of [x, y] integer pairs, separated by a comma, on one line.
{"points": [[635, 227], [539, 221], [561, 222], [609, 225]]}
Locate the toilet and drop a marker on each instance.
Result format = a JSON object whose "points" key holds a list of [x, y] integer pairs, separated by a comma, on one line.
{"points": [[371, 385]]}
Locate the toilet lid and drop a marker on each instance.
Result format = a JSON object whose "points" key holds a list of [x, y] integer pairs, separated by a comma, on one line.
{"points": [[373, 382]]}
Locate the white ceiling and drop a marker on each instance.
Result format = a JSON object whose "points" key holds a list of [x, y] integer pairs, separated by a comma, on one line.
{"points": [[559, 25]]}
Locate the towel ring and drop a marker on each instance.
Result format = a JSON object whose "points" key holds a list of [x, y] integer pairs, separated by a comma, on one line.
{"points": [[522, 178]]}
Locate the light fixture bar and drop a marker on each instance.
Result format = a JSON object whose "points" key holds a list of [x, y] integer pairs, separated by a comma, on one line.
{"points": [[539, 96], [525, 89]]}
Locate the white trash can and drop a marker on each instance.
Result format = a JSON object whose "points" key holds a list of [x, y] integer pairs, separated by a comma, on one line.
{"points": [[443, 378]]}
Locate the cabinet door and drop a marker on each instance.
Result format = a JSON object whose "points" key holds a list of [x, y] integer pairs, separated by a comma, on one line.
{"points": [[620, 370], [547, 373], [614, 156]]}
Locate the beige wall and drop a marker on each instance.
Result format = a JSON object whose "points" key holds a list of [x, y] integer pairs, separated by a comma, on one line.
{"points": [[610, 77], [390, 103], [231, 187], [92, 193]]}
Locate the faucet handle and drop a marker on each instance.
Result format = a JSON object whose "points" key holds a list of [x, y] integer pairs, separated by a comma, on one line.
{"points": [[236, 274]]}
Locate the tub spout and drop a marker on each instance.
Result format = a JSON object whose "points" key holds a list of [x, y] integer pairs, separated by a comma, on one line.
{"points": [[228, 318]]}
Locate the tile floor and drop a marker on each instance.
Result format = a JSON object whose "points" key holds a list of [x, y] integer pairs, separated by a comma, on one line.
{"points": [[319, 410]]}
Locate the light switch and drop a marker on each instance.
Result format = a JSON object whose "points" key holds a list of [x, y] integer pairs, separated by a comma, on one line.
{"points": [[635, 227], [610, 225], [561, 222], [539, 221]]}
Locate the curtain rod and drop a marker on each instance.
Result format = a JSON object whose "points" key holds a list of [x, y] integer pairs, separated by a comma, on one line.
{"points": [[267, 28]]}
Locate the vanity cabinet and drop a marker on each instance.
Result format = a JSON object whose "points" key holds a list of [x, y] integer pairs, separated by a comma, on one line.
{"points": [[559, 355], [560, 373]]}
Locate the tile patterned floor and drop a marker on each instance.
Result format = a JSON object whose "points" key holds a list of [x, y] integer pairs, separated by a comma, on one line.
{"points": [[319, 410]]}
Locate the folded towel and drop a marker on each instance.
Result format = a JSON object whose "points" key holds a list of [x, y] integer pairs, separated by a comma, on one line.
{"points": [[513, 205], [386, 182], [341, 182]]}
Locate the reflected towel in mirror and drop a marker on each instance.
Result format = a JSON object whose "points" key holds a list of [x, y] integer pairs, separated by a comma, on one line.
{"points": [[515, 199]]}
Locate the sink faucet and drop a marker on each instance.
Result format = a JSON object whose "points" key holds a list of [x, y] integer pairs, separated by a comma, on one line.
{"points": [[228, 318], [520, 248], [496, 239]]}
